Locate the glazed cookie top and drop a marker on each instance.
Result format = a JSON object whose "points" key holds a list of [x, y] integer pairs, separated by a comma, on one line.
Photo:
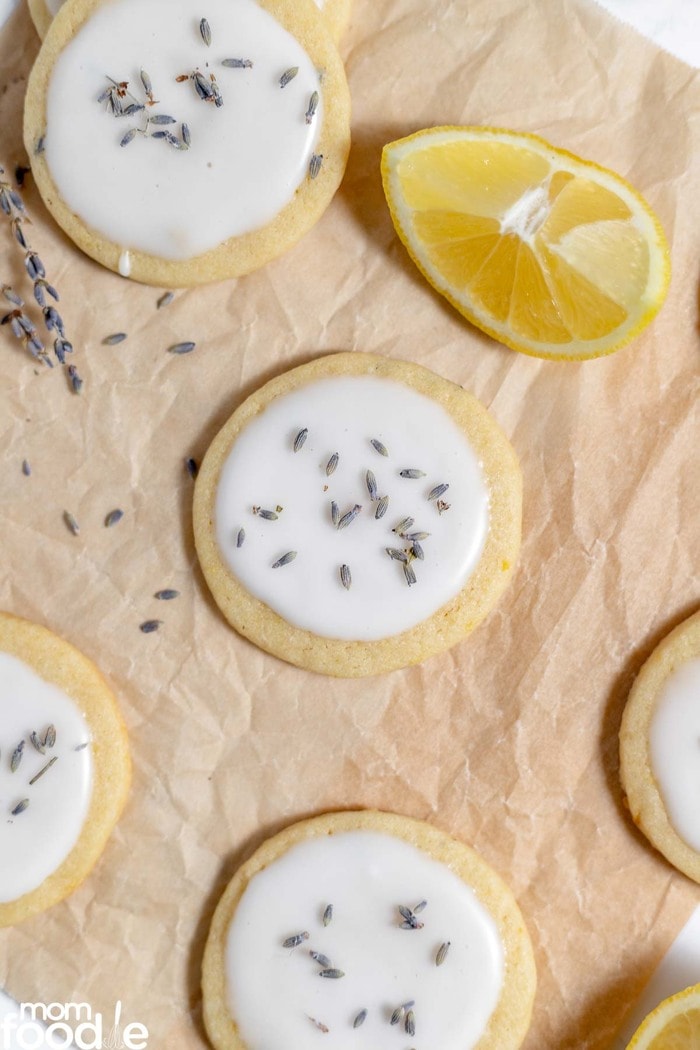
{"points": [[45, 777], [363, 928], [358, 514], [337, 933], [374, 490], [64, 768], [659, 754], [192, 133], [674, 733]]}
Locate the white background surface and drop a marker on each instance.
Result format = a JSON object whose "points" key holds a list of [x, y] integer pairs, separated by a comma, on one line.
{"points": [[675, 26]]}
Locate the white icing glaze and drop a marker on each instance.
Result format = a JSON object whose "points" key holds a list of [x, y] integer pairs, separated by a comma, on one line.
{"points": [[35, 842], [247, 158], [342, 414], [273, 991], [125, 264], [674, 747]]}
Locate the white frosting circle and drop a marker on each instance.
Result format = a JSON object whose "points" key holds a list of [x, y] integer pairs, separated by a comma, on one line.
{"points": [[273, 992], [674, 749], [343, 414], [35, 842], [247, 158]]}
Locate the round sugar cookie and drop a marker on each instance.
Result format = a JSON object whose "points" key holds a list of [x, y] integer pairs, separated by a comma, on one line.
{"points": [[358, 514], [196, 149], [660, 748], [336, 13], [353, 930], [64, 768]]}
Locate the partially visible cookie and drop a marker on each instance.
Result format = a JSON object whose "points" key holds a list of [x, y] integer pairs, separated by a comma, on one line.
{"points": [[64, 768], [352, 929], [660, 748], [358, 514], [196, 149], [336, 13]]}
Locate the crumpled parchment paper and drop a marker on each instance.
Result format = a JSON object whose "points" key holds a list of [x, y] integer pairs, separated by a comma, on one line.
{"points": [[509, 741]]}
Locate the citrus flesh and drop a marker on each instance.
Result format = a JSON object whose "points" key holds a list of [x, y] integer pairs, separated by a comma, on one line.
{"points": [[673, 1025], [550, 254]]}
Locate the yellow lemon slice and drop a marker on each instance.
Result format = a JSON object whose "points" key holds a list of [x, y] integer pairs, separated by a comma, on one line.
{"points": [[550, 254], [673, 1025]]}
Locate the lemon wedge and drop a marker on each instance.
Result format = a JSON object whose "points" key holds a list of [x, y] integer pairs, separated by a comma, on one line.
{"points": [[673, 1025], [550, 254]]}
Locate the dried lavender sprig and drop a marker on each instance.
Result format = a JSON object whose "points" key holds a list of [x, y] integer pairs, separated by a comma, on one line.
{"points": [[13, 206]]}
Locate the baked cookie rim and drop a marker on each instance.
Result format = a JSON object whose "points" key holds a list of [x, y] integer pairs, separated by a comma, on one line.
{"points": [[238, 255], [447, 625], [519, 974], [641, 790], [59, 662]]}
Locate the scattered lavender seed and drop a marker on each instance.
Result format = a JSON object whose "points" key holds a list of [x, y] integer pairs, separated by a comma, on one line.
{"points": [[71, 523], [311, 108], [192, 467], [113, 518], [37, 743], [50, 737], [382, 507], [417, 551], [237, 63], [113, 340], [240, 538], [186, 137], [360, 1019], [332, 464], [300, 439], [20, 807], [147, 85], [412, 537], [410, 1023], [167, 595], [129, 137], [379, 447], [26, 468], [161, 119], [149, 626], [205, 30], [296, 939], [442, 953], [319, 1024], [285, 559], [331, 973], [403, 526], [442, 506], [322, 960], [17, 757], [328, 915], [288, 75], [371, 482], [395, 554], [397, 1015], [347, 519], [81, 747], [419, 907], [345, 577], [167, 297], [315, 164], [74, 379], [11, 296], [335, 513], [410, 580], [267, 515], [438, 491], [182, 348], [411, 472], [41, 772], [40, 144]]}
